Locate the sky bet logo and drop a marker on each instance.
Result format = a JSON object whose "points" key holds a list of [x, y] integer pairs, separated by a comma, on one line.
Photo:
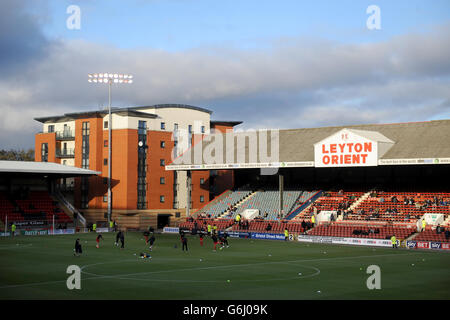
{"points": [[436, 245]]}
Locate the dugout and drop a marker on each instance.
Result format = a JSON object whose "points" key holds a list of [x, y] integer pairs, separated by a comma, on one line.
{"points": [[30, 193]]}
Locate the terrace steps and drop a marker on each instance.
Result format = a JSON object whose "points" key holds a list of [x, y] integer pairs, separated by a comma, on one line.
{"points": [[238, 204], [411, 237], [355, 204]]}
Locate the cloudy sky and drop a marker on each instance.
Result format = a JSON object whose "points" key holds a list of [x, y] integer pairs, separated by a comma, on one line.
{"points": [[271, 64]]}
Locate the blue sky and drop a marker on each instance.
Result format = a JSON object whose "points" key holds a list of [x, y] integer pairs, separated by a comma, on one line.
{"points": [[270, 64], [184, 24]]}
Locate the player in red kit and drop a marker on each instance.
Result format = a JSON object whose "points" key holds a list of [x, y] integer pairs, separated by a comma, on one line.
{"points": [[201, 239], [98, 241]]}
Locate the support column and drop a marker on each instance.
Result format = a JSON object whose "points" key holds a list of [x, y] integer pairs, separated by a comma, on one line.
{"points": [[281, 190], [188, 192]]}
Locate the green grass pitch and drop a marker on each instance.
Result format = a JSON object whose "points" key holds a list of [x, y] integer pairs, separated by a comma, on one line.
{"points": [[35, 268]]}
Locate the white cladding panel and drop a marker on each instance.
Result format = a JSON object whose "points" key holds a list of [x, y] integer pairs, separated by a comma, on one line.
{"points": [[182, 116], [60, 126]]}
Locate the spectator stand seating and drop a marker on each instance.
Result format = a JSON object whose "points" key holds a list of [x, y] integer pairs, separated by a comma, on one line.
{"points": [[400, 206]]}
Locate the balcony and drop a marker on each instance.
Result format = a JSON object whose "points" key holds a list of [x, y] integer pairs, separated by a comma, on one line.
{"points": [[65, 135], [65, 153]]}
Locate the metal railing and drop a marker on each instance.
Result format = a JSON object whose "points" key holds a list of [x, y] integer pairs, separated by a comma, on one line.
{"points": [[69, 153], [76, 214], [66, 134]]}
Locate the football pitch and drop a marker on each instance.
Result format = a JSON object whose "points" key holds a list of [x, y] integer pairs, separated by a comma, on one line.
{"points": [[34, 267]]}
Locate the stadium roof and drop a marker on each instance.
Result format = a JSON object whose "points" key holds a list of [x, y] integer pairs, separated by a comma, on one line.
{"points": [[47, 168], [409, 143], [225, 123]]}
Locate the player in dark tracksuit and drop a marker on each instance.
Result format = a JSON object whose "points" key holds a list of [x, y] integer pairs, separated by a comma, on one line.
{"points": [[224, 239], [184, 242], [78, 249], [122, 240], [152, 241], [214, 239], [118, 235]]}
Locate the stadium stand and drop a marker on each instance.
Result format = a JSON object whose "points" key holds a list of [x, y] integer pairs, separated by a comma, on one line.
{"points": [[433, 235], [202, 223], [400, 206], [361, 213], [221, 204], [330, 201], [270, 226], [7, 208], [361, 231], [29, 206], [267, 202]]}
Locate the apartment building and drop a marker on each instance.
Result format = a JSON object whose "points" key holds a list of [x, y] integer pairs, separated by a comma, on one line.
{"points": [[144, 140]]}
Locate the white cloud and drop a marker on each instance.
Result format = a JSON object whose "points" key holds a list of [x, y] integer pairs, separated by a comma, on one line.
{"points": [[304, 83]]}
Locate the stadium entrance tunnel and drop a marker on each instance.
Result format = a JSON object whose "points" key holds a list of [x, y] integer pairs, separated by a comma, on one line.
{"points": [[163, 220]]}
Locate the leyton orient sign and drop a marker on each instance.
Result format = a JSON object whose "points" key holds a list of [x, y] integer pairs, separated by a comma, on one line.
{"points": [[346, 149]]}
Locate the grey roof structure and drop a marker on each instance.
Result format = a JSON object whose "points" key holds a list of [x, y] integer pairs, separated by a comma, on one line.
{"points": [[180, 106], [128, 111], [48, 168], [224, 122], [425, 142]]}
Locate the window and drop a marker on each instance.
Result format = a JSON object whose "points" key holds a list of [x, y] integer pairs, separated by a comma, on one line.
{"points": [[163, 144], [44, 152], [163, 126], [85, 145], [142, 167], [203, 129], [202, 180], [105, 198], [85, 163], [142, 127], [161, 199], [175, 150], [162, 180], [190, 136], [84, 192], [105, 180], [51, 128], [202, 198], [105, 143], [86, 128], [175, 127], [162, 162], [105, 162], [105, 124]]}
